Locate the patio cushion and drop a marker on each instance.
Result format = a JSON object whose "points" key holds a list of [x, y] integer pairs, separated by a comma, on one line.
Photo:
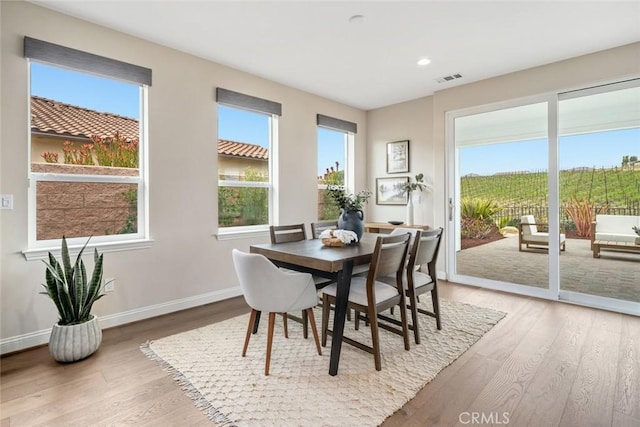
{"points": [[543, 237], [616, 237], [616, 227], [528, 229]]}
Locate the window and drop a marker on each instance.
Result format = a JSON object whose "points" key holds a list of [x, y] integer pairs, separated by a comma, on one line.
{"points": [[247, 132], [87, 147], [335, 137]]}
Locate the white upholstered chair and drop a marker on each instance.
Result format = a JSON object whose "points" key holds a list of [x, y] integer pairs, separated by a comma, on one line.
{"points": [[268, 289], [530, 236]]}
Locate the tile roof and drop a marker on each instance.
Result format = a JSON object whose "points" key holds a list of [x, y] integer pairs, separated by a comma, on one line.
{"points": [[54, 117], [242, 149]]}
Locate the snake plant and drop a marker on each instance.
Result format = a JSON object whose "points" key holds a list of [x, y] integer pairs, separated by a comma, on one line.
{"points": [[68, 287]]}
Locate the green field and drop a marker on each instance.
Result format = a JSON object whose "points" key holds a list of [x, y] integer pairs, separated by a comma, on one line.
{"points": [[614, 187]]}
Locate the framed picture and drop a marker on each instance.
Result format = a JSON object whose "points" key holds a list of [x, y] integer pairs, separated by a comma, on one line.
{"points": [[398, 157], [390, 191]]}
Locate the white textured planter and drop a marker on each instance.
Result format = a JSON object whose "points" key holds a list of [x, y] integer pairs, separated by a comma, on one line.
{"points": [[75, 342]]}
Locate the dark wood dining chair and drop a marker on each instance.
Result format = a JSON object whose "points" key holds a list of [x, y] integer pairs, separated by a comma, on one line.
{"points": [[370, 296], [420, 277], [287, 233], [318, 227]]}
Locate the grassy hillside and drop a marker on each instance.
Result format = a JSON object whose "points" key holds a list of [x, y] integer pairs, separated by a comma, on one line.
{"points": [[616, 187]]}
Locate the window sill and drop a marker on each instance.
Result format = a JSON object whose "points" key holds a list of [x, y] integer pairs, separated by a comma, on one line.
{"points": [[128, 245], [233, 233]]}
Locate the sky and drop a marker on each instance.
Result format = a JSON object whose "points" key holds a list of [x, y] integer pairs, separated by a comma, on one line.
{"points": [[246, 126], [602, 149], [122, 98]]}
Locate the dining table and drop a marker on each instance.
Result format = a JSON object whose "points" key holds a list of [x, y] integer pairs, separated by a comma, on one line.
{"points": [[332, 262]]}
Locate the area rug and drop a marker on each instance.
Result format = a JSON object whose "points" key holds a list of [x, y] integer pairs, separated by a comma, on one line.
{"points": [[234, 391]]}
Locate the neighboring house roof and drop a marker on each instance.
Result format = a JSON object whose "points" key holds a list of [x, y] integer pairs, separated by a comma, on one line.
{"points": [[57, 118], [53, 117], [242, 149]]}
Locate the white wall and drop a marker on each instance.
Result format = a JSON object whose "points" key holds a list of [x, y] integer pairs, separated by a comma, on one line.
{"points": [[411, 121], [186, 265]]}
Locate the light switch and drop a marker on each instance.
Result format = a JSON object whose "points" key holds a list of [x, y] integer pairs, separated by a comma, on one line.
{"points": [[6, 201]]}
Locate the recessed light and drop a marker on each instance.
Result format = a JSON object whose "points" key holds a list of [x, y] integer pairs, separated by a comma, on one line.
{"points": [[356, 19], [424, 61]]}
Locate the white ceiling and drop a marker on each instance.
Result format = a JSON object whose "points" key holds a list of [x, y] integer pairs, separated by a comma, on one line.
{"points": [[310, 45]]}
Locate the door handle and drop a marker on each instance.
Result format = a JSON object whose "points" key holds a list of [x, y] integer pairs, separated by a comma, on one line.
{"points": [[450, 209]]}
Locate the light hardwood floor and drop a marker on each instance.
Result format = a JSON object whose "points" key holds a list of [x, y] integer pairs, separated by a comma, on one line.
{"points": [[544, 364]]}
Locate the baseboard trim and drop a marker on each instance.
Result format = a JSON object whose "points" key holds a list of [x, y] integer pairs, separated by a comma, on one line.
{"points": [[34, 339]]}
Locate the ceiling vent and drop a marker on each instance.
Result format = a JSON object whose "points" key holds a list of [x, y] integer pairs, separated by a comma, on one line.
{"points": [[449, 78]]}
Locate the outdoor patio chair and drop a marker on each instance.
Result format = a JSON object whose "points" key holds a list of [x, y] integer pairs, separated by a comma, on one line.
{"points": [[528, 234]]}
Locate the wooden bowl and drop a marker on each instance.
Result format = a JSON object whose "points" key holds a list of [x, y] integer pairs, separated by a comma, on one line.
{"points": [[332, 241]]}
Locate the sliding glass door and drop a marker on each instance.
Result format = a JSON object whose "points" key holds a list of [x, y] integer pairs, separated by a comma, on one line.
{"points": [[526, 181], [502, 199], [599, 179]]}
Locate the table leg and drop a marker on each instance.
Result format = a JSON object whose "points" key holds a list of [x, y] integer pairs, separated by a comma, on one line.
{"points": [[342, 296]]}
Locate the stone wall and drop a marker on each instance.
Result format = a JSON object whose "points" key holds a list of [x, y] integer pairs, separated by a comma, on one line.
{"points": [[77, 209]]}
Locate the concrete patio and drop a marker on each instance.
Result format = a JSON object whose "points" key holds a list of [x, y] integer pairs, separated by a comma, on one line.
{"points": [[613, 275]]}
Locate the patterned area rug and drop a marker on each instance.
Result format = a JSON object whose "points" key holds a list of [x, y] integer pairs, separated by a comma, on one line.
{"points": [[233, 390]]}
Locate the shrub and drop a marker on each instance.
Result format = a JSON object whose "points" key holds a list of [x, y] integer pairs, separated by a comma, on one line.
{"points": [[504, 222], [116, 151], [479, 208], [50, 157], [474, 228], [582, 213]]}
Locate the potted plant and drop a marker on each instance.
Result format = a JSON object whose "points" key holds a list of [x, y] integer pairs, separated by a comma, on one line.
{"points": [[351, 208], [77, 334]]}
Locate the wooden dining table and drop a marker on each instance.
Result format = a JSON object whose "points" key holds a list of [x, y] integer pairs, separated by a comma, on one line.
{"points": [[336, 263]]}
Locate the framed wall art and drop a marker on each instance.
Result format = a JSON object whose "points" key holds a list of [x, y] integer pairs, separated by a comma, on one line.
{"points": [[390, 191], [398, 157]]}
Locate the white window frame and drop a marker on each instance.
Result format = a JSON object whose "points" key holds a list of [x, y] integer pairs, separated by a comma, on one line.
{"points": [[349, 146], [348, 129], [38, 249], [258, 229]]}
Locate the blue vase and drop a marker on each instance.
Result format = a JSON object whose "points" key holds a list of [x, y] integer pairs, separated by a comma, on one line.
{"points": [[352, 220]]}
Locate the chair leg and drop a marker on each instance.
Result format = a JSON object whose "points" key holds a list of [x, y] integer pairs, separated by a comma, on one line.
{"points": [[375, 338], [405, 325], [305, 325], [284, 323], [314, 330], [436, 305], [252, 321], [356, 322], [413, 301], [325, 318], [272, 321]]}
